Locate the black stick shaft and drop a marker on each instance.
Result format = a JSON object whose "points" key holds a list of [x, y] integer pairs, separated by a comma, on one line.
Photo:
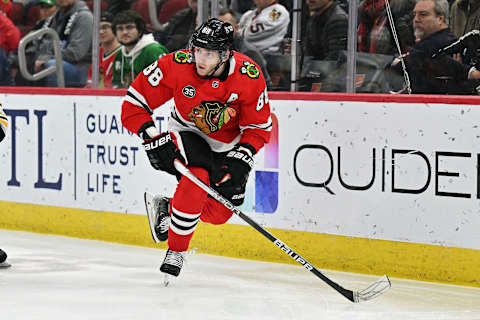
{"points": [[280, 244]]}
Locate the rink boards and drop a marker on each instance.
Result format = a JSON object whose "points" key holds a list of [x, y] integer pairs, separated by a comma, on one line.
{"points": [[370, 184]]}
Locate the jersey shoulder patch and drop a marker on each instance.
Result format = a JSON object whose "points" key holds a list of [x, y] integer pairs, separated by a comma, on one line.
{"points": [[182, 57], [274, 14], [250, 69]]}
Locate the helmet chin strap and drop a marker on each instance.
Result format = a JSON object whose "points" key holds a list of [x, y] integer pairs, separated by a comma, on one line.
{"points": [[210, 76]]}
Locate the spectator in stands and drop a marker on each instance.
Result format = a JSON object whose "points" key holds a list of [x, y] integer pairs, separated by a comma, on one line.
{"points": [[465, 17], [5, 72], [109, 46], [45, 15], [176, 33], [47, 9], [266, 26], [139, 48], [374, 31], [441, 74], [6, 7], [240, 45], [9, 35], [74, 24], [326, 30]]}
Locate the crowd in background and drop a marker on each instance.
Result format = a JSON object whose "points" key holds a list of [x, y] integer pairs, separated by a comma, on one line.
{"points": [[130, 41]]}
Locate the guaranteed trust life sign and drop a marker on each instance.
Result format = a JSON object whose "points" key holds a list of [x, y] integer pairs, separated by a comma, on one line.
{"points": [[73, 151]]}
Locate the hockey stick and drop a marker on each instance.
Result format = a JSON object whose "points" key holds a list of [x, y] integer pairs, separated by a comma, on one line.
{"points": [[373, 290]]}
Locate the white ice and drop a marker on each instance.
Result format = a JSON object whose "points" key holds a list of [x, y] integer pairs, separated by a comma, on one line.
{"points": [[55, 277]]}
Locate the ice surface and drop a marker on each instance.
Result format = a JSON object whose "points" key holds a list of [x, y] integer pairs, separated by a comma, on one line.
{"points": [[54, 277]]}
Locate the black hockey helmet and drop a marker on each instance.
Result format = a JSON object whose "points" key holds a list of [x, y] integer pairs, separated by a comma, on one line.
{"points": [[214, 35]]}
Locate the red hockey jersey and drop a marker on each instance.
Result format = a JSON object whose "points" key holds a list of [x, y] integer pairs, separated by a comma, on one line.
{"points": [[224, 112], [105, 68]]}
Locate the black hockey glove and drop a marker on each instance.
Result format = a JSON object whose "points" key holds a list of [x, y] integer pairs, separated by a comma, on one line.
{"points": [[230, 179], [161, 151]]}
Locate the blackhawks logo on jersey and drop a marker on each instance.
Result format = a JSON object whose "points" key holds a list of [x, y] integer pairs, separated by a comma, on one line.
{"points": [[182, 57], [250, 70], [210, 116], [274, 14]]}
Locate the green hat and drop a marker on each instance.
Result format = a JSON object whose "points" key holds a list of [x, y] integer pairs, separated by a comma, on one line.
{"points": [[49, 2]]}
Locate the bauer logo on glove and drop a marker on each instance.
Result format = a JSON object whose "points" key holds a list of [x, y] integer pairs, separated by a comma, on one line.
{"points": [[155, 143], [161, 151], [242, 156], [230, 178]]}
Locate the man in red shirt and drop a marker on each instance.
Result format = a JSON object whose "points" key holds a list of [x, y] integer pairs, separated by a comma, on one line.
{"points": [[109, 47], [220, 120]]}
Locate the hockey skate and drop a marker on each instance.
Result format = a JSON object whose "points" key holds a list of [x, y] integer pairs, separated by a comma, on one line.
{"points": [[172, 265], [158, 216], [3, 260]]}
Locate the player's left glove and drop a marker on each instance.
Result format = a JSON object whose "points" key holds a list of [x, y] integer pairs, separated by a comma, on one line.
{"points": [[230, 179]]}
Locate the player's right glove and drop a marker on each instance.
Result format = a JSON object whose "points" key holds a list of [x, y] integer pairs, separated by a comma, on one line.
{"points": [[162, 151]]}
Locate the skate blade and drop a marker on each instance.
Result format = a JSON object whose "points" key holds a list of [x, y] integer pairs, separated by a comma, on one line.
{"points": [[169, 280], [5, 265], [151, 215]]}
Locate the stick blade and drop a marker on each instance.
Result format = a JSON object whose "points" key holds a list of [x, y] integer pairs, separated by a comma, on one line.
{"points": [[373, 290]]}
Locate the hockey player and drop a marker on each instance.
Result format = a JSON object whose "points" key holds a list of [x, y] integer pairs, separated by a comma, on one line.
{"points": [[221, 119], [3, 133]]}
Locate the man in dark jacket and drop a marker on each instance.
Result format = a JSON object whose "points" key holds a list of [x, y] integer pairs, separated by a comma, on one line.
{"points": [[326, 31], [176, 33], [429, 72]]}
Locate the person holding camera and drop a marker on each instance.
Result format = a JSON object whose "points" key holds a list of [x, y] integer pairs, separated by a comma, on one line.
{"points": [[430, 69]]}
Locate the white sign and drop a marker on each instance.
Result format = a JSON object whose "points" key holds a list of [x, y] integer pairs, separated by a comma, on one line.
{"points": [[393, 171]]}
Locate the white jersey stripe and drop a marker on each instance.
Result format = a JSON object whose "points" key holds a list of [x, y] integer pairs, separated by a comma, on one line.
{"points": [[262, 126], [132, 101], [140, 98]]}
